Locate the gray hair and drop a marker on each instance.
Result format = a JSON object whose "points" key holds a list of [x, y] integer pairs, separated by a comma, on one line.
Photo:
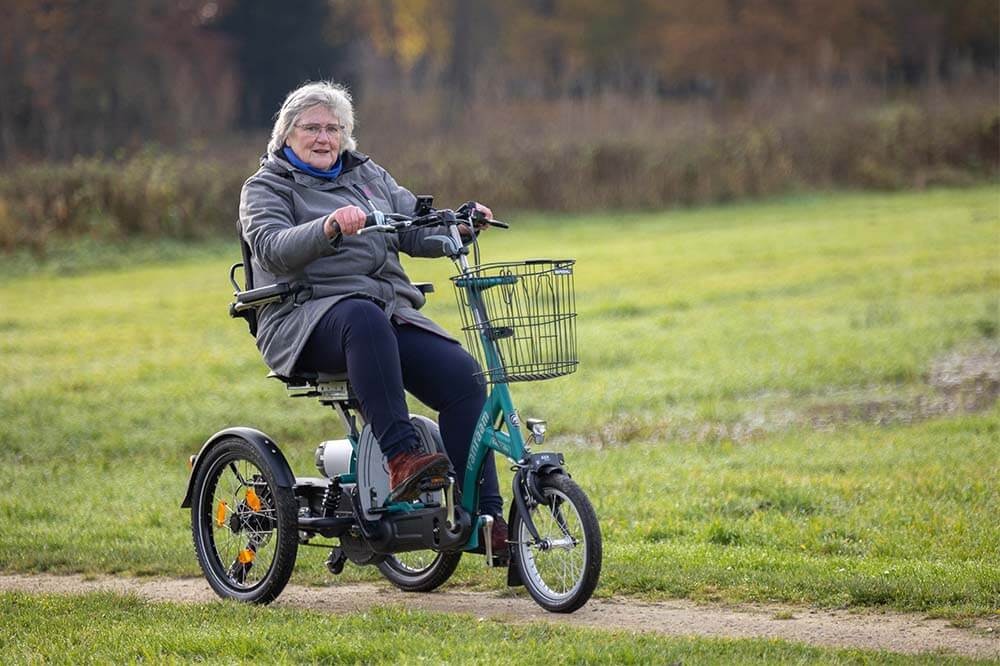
{"points": [[333, 96]]}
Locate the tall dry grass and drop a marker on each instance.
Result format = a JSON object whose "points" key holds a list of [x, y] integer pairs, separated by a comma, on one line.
{"points": [[595, 153]]}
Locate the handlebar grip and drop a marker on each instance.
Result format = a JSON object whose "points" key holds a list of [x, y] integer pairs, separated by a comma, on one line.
{"points": [[478, 218], [374, 220]]}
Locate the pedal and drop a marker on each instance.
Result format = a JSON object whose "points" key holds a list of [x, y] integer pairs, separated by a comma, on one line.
{"points": [[335, 561]]}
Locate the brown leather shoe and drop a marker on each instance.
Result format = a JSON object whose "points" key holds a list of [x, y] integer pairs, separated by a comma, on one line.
{"points": [[412, 472], [500, 535]]}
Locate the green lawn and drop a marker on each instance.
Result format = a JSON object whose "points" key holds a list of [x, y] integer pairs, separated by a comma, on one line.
{"points": [[103, 628], [776, 401]]}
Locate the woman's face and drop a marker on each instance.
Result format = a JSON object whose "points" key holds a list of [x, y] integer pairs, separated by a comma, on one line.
{"points": [[315, 137]]}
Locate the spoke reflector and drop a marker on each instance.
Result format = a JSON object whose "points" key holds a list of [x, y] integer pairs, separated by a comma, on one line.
{"points": [[220, 513], [246, 556], [252, 500]]}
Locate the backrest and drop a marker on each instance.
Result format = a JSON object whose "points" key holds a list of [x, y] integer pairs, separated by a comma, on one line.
{"points": [[249, 315], [247, 256]]}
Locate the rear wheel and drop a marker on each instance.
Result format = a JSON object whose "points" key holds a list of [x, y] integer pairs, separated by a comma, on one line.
{"points": [[419, 570], [244, 525], [561, 569]]}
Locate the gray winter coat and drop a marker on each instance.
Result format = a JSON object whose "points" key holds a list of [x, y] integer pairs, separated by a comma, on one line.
{"points": [[282, 211]]}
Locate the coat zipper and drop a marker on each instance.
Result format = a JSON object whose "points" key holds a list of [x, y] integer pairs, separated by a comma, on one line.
{"points": [[361, 193], [385, 252]]}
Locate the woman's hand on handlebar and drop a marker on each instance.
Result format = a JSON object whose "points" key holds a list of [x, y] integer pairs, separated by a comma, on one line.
{"points": [[351, 220], [347, 220], [484, 210], [478, 220]]}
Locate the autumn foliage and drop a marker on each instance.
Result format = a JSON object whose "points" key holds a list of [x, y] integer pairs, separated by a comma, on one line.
{"points": [[125, 117]]}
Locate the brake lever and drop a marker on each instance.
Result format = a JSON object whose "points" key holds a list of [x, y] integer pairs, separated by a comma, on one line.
{"points": [[376, 227], [478, 220]]}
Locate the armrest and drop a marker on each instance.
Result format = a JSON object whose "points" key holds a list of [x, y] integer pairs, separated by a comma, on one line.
{"points": [[424, 287], [253, 298]]}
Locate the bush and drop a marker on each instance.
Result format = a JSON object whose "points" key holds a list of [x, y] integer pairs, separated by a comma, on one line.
{"points": [[569, 156], [149, 195]]}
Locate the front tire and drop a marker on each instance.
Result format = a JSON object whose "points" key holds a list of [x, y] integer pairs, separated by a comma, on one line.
{"points": [[562, 570], [419, 570], [243, 524]]}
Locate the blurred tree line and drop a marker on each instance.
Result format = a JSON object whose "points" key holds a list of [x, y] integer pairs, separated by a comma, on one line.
{"points": [[97, 77]]}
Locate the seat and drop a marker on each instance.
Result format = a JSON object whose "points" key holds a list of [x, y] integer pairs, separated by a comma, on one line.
{"points": [[329, 387], [306, 378]]}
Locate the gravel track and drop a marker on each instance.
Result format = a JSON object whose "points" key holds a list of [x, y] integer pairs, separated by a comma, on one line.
{"points": [[896, 632]]}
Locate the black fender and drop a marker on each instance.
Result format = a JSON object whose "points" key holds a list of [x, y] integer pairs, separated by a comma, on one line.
{"points": [[264, 445], [541, 464], [513, 572]]}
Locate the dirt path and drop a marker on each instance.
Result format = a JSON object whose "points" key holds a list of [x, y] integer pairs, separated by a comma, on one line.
{"points": [[896, 632]]}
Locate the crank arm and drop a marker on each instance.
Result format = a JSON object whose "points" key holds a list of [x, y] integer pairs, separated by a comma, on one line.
{"points": [[488, 539], [449, 502]]}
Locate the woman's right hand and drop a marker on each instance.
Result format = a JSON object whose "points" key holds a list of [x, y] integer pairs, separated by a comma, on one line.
{"points": [[350, 219]]}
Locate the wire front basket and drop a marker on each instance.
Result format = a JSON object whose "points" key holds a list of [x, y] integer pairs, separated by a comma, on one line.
{"points": [[528, 309]]}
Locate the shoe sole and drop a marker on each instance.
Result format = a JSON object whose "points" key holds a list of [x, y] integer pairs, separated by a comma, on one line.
{"points": [[432, 477]]}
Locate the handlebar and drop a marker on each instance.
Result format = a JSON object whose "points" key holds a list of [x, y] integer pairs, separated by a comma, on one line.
{"points": [[396, 222]]}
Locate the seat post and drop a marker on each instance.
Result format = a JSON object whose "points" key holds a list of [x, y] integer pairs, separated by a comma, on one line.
{"points": [[347, 416]]}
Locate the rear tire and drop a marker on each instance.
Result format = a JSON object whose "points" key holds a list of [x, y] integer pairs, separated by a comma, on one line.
{"points": [[420, 570], [244, 526], [562, 570]]}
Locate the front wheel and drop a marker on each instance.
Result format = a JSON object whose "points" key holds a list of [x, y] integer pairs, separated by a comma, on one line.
{"points": [[562, 568], [419, 570], [244, 525]]}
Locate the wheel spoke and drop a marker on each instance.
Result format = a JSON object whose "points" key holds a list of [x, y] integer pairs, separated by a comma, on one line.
{"points": [[236, 473], [416, 561]]}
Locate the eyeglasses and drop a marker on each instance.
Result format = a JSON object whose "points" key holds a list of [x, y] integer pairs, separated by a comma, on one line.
{"points": [[314, 130]]}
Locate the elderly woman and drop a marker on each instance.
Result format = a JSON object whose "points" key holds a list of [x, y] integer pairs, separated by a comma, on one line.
{"points": [[301, 213]]}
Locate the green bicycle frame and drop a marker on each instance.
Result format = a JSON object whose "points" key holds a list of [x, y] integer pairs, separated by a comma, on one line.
{"points": [[499, 409]]}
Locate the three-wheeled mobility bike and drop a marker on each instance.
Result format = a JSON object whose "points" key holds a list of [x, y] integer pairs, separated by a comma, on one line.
{"points": [[250, 513]]}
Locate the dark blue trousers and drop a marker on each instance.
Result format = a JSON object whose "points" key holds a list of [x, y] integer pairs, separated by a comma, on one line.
{"points": [[382, 358]]}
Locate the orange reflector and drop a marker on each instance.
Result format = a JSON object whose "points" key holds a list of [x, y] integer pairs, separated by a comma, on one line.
{"points": [[246, 556], [220, 513], [252, 500], [191, 462]]}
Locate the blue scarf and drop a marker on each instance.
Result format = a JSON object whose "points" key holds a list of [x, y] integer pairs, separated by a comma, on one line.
{"points": [[313, 171]]}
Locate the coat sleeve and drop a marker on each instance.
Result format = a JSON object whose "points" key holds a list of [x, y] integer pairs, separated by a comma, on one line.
{"points": [[278, 244]]}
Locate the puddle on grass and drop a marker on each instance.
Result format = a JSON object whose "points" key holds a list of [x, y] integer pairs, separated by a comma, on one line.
{"points": [[972, 378], [962, 381]]}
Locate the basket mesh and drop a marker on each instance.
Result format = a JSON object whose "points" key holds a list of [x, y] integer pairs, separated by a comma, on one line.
{"points": [[530, 312]]}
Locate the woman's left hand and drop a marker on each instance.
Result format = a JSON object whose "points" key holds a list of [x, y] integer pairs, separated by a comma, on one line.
{"points": [[484, 210], [467, 231]]}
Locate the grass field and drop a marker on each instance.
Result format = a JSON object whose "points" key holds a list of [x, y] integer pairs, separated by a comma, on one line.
{"points": [[102, 628], [792, 401]]}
